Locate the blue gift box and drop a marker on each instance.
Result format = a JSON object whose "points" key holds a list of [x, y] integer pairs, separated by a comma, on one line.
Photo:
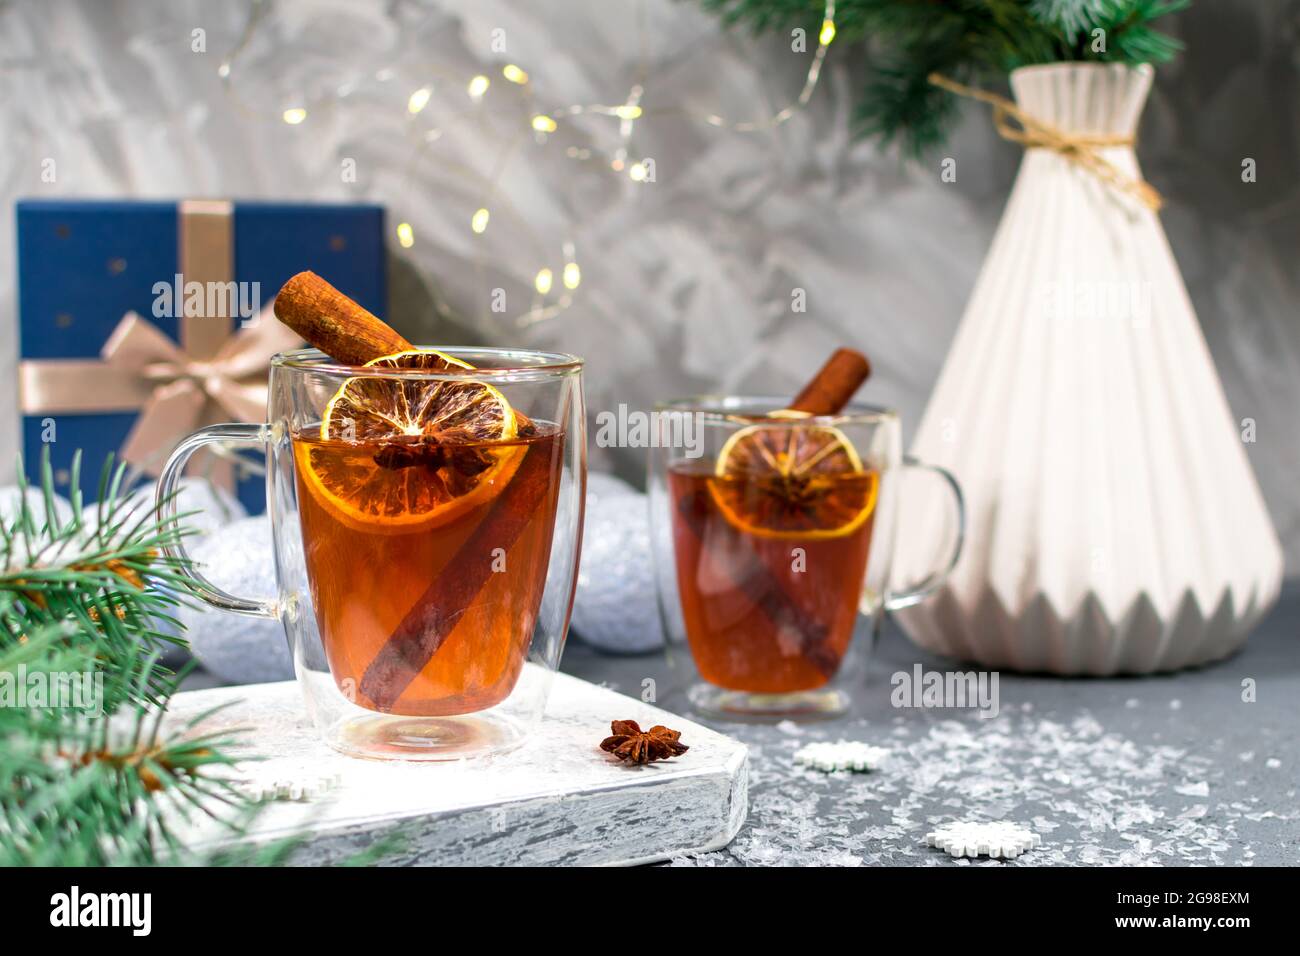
{"points": [[83, 265]]}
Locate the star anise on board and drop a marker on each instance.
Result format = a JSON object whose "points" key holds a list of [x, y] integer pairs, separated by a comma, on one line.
{"points": [[630, 743]]}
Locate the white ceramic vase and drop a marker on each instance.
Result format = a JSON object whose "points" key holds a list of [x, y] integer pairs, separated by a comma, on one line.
{"points": [[1114, 525]]}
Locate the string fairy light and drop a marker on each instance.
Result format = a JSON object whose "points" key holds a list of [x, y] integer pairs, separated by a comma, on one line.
{"points": [[549, 301], [572, 275], [419, 100], [825, 37]]}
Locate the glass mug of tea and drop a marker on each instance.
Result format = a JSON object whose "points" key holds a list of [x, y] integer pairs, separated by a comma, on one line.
{"points": [[771, 533], [426, 520]]}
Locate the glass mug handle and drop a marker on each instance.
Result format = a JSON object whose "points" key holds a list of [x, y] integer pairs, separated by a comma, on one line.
{"points": [[896, 601], [166, 500]]}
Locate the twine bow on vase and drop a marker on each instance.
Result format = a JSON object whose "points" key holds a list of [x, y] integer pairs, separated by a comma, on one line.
{"points": [[1090, 549], [1082, 149]]}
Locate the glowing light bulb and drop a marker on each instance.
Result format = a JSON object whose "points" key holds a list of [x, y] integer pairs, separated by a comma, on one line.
{"points": [[478, 86], [628, 112], [572, 275], [543, 281], [514, 74], [479, 221], [405, 235], [294, 115], [828, 32], [544, 124], [638, 172], [419, 100]]}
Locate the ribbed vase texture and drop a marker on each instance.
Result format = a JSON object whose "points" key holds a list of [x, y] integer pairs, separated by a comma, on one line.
{"points": [[1115, 525]]}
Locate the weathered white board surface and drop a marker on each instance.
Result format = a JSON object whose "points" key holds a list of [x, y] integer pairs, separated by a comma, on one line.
{"points": [[557, 800]]}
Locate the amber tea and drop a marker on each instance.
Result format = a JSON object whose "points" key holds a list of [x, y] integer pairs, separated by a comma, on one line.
{"points": [[427, 512], [426, 610], [771, 545]]}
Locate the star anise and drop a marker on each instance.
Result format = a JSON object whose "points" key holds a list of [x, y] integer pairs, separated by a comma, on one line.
{"points": [[630, 743], [448, 451], [793, 494]]}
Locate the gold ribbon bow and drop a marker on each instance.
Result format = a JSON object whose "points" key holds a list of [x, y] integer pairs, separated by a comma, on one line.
{"points": [[215, 372], [188, 392], [141, 368], [1078, 148]]}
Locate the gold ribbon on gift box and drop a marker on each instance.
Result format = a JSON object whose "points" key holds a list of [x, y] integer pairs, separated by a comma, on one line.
{"points": [[215, 373]]}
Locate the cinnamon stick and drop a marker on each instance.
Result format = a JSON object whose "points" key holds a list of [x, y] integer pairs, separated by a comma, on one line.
{"points": [[343, 328], [832, 387], [337, 325], [439, 609], [752, 577]]}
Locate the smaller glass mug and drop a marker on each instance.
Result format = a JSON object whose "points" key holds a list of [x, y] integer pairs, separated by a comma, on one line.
{"points": [[769, 616], [416, 633]]}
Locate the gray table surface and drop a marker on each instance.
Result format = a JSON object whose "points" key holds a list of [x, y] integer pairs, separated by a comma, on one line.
{"points": [[1173, 769]]}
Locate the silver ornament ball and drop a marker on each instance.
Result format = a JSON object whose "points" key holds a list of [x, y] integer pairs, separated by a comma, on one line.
{"points": [[238, 649], [615, 608]]}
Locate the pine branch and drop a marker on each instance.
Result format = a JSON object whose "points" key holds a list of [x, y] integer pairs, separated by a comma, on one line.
{"points": [[1071, 18], [113, 580], [972, 41], [94, 780]]}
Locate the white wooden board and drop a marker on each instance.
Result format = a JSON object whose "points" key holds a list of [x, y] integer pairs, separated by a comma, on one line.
{"points": [[556, 800]]}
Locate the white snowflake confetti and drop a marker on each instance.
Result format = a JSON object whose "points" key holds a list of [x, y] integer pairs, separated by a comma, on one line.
{"points": [[998, 839], [1095, 795], [842, 755], [300, 790]]}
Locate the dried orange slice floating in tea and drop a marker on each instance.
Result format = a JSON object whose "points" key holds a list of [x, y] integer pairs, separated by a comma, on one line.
{"points": [[793, 481], [427, 450]]}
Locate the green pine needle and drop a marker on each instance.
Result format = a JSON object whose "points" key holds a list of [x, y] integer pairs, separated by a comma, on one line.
{"points": [[972, 41], [100, 784]]}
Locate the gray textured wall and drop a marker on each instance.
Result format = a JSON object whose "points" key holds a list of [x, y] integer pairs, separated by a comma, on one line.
{"points": [[687, 280]]}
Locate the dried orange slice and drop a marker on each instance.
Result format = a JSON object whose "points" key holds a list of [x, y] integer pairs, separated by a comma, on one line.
{"points": [[428, 450], [796, 481]]}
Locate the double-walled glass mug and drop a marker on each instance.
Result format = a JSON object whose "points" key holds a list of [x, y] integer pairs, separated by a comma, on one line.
{"points": [[426, 524], [771, 533]]}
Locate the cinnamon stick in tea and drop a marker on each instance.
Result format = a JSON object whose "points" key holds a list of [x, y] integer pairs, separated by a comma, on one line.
{"points": [[344, 330], [825, 394], [437, 612], [337, 325], [751, 576], [832, 387]]}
